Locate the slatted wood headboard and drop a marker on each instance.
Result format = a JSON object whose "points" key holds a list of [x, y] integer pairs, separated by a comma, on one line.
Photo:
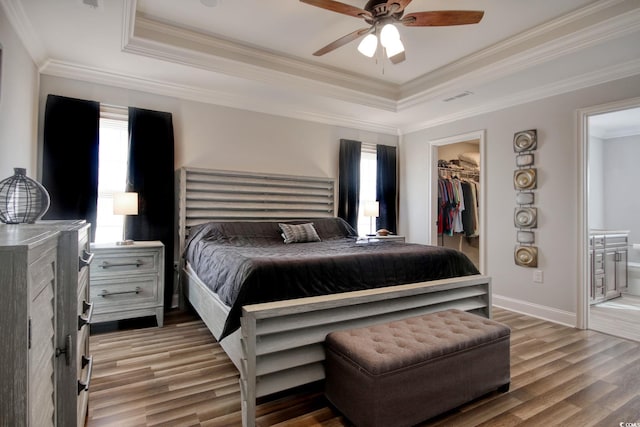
{"points": [[218, 195]]}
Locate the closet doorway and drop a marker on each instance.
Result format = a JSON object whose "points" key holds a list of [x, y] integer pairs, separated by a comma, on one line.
{"points": [[610, 297], [457, 196]]}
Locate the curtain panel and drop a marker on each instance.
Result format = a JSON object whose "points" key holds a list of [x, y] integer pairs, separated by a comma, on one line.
{"points": [[386, 188], [349, 181], [70, 158], [151, 175]]}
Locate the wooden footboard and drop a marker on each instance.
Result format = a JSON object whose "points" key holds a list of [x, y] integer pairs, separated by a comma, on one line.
{"points": [[280, 344]]}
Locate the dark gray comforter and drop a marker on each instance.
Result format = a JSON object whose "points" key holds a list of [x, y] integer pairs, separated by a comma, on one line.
{"points": [[248, 262]]}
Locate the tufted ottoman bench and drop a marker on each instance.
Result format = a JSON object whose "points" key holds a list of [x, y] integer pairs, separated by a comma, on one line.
{"points": [[403, 372]]}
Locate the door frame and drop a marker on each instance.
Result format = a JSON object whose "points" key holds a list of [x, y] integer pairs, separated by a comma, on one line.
{"points": [[582, 315], [433, 200]]}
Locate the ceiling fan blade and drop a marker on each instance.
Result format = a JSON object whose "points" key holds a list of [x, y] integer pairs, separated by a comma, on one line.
{"points": [[442, 18], [343, 40], [401, 4], [336, 6]]}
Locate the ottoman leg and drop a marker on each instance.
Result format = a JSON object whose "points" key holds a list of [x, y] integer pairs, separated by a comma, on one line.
{"points": [[504, 387]]}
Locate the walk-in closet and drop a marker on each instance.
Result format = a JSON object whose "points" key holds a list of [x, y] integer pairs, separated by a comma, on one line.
{"points": [[458, 207]]}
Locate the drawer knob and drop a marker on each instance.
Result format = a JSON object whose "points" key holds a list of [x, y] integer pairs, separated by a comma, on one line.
{"points": [[106, 293], [137, 263], [66, 350]]}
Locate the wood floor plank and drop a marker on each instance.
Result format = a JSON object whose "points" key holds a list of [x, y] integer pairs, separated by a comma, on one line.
{"points": [[178, 375]]}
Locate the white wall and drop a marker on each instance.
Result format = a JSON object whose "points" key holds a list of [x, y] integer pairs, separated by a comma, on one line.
{"points": [[621, 179], [18, 104], [556, 158]]}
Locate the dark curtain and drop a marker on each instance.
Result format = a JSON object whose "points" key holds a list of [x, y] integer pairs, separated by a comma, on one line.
{"points": [[349, 181], [150, 174], [386, 188], [70, 158]]}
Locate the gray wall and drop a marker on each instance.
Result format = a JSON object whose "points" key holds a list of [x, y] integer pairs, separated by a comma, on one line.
{"points": [[18, 104], [621, 180], [210, 136], [557, 160]]}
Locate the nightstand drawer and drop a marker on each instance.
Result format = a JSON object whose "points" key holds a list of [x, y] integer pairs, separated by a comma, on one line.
{"points": [[117, 293], [106, 264]]}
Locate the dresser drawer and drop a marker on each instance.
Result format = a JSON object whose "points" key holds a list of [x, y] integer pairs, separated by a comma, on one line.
{"points": [[116, 293], [138, 262]]}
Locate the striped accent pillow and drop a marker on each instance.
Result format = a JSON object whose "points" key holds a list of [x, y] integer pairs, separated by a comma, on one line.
{"points": [[300, 233]]}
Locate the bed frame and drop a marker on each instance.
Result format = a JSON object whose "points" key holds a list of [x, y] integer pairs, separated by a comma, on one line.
{"points": [[280, 344]]}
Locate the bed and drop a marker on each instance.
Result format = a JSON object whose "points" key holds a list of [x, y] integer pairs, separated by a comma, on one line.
{"points": [[270, 303]]}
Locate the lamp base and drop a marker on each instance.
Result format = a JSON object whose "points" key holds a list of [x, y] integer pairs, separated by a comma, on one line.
{"points": [[124, 242]]}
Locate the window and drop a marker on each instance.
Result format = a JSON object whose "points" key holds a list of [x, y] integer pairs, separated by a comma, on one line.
{"points": [[368, 171], [112, 171]]}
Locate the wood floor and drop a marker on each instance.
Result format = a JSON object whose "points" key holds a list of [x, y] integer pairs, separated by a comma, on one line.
{"points": [[179, 376], [619, 316]]}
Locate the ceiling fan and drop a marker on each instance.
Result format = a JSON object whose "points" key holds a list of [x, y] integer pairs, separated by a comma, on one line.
{"points": [[381, 15]]}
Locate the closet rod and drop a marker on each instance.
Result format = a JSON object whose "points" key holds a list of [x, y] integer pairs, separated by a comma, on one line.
{"points": [[459, 171]]}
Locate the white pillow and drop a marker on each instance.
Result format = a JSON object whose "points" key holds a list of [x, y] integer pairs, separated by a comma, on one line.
{"points": [[299, 233]]}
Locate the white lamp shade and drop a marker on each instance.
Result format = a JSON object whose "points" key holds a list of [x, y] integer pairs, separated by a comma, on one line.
{"points": [[394, 48], [389, 35], [371, 208], [368, 45], [125, 203]]}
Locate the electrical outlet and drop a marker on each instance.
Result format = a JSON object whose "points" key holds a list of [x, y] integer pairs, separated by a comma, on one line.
{"points": [[538, 276]]}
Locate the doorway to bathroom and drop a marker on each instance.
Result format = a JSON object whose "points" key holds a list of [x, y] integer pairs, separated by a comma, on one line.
{"points": [[612, 279]]}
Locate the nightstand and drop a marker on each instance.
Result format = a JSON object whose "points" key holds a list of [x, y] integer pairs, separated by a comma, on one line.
{"points": [[127, 281], [389, 238]]}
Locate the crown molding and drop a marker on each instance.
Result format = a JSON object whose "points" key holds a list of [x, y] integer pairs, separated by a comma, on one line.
{"points": [[621, 133], [21, 24], [604, 75], [204, 95], [159, 40], [127, 81], [588, 26], [533, 47]]}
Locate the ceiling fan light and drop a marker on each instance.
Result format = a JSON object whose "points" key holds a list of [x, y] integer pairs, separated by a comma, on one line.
{"points": [[389, 35], [394, 48], [368, 45]]}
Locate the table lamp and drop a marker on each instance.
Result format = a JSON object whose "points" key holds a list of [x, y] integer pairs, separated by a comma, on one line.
{"points": [[371, 209], [125, 204]]}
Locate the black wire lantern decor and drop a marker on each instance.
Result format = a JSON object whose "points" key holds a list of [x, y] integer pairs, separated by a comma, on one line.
{"points": [[22, 199]]}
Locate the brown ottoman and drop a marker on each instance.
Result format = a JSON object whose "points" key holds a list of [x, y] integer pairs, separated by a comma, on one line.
{"points": [[403, 372]]}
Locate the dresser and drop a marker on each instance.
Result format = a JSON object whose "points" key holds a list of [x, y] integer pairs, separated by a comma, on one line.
{"points": [[46, 366], [127, 281]]}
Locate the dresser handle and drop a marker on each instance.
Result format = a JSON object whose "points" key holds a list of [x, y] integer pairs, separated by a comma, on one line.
{"points": [[106, 264], [106, 293], [84, 320], [84, 386], [85, 259]]}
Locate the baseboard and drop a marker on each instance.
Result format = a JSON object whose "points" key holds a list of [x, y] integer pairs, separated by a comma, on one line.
{"points": [[535, 310]]}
